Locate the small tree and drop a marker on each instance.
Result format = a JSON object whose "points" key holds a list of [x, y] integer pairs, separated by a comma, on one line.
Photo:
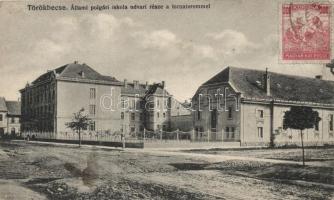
{"points": [[301, 118], [79, 122]]}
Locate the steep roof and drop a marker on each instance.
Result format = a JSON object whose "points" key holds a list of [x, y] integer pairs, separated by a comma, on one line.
{"points": [[14, 107], [143, 90], [3, 106], [283, 87], [79, 72]]}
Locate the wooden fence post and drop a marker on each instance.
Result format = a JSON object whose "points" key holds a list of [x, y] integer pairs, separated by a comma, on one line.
{"points": [[123, 140], [208, 135], [177, 134], [160, 134]]}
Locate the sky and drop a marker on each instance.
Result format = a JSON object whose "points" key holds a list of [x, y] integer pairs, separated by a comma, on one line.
{"points": [[182, 47]]}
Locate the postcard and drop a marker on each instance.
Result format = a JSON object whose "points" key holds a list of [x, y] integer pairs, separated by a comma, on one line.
{"points": [[166, 99]]}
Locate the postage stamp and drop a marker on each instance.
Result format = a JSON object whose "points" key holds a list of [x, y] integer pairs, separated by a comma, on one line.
{"points": [[305, 32]]}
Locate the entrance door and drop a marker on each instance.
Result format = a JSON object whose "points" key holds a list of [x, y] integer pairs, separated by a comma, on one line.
{"points": [[213, 124]]}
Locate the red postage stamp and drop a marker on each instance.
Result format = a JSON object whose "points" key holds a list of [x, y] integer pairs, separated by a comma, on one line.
{"points": [[306, 32]]}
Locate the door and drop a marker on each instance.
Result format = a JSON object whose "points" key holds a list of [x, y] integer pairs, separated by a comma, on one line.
{"points": [[213, 124]]}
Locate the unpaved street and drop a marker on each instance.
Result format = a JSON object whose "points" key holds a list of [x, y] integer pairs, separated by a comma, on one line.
{"points": [[68, 172]]}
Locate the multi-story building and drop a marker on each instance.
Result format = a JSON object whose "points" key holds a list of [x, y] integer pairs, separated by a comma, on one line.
{"points": [[145, 106], [49, 102], [3, 116], [10, 113], [248, 106], [181, 116]]}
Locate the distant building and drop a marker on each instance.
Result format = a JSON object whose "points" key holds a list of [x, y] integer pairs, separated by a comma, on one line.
{"points": [[248, 106], [49, 102], [181, 116], [10, 113], [145, 106], [151, 107]]}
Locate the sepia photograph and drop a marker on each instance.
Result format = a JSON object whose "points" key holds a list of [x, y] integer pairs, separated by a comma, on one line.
{"points": [[166, 99]]}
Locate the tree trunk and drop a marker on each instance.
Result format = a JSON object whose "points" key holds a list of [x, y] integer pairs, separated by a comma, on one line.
{"points": [[301, 137], [79, 138]]}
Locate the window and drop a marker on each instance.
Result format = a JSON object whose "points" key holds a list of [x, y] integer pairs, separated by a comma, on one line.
{"points": [[158, 114], [260, 132], [92, 126], [164, 127], [133, 103], [141, 116], [331, 121], [164, 115], [123, 103], [92, 93], [158, 126], [230, 112], [198, 115], [133, 116], [12, 120], [133, 129], [92, 109], [214, 119], [1, 117], [227, 132], [316, 127], [260, 114], [232, 132], [122, 115]]}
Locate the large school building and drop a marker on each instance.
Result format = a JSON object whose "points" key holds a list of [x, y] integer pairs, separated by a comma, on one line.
{"points": [[247, 106]]}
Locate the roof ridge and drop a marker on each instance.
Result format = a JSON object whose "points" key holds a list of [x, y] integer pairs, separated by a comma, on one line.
{"points": [[278, 73], [84, 64], [65, 69]]}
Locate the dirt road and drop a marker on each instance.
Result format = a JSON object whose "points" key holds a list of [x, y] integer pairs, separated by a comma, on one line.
{"points": [[56, 172]]}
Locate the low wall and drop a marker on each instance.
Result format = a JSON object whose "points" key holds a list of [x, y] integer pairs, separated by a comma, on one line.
{"points": [[189, 144], [90, 142], [287, 144]]}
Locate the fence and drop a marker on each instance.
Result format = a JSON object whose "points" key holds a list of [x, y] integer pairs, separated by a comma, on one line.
{"points": [[143, 136]]}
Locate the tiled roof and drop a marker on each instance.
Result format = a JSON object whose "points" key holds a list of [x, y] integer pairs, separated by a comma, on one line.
{"points": [[283, 87], [3, 106], [78, 72], [14, 107], [141, 89]]}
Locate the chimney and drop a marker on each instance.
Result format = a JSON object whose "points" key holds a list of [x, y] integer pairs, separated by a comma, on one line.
{"points": [[136, 84], [146, 85], [125, 83], [266, 82], [163, 84]]}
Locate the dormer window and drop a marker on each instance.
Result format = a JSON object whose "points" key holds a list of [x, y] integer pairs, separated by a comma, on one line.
{"points": [[82, 74]]}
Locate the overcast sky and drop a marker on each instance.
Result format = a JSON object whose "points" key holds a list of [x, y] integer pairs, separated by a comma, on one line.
{"points": [[183, 47]]}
